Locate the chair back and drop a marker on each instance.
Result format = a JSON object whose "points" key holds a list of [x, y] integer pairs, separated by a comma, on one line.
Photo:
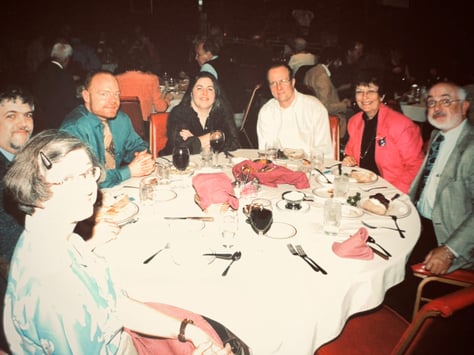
{"points": [[431, 330], [131, 106], [242, 130], [335, 135], [158, 137]]}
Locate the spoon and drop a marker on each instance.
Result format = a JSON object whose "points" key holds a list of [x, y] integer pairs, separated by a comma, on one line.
{"points": [[236, 256], [375, 227], [150, 258], [319, 171], [372, 240]]}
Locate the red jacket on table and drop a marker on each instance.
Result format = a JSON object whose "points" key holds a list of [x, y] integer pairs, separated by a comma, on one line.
{"points": [[147, 87], [401, 157]]}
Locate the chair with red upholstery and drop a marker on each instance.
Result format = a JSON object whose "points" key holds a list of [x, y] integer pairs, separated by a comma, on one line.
{"points": [[461, 278], [335, 135], [443, 325], [131, 106], [158, 137]]}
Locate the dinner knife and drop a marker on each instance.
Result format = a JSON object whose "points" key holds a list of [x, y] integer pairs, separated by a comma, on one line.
{"points": [[205, 219], [379, 253], [226, 256]]}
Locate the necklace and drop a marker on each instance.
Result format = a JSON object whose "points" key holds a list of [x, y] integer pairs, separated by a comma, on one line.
{"points": [[367, 148]]}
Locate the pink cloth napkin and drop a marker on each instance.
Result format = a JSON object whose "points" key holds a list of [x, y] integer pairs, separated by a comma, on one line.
{"points": [[162, 346], [270, 174], [214, 188], [355, 247]]}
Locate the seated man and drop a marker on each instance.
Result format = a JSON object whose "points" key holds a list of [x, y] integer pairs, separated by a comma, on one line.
{"points": [[443, 190], [291, 119], [108, 131], [319, 79]]}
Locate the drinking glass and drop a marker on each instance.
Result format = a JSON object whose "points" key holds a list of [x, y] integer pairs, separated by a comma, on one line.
{"points": [[217, 138], [206, 156], [332, 217], [228, 227], [147, 190], [181, 157], [261, 215], [271, 150], [317, 158]]}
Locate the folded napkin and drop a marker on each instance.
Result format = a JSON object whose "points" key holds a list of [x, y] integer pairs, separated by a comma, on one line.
{"points": [[269, 174], [355, 247], [163, 346], [214, 188]]}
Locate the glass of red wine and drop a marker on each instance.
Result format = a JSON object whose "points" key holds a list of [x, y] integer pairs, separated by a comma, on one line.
{"points": [[217, 138], [181, 157], [261, 215]]}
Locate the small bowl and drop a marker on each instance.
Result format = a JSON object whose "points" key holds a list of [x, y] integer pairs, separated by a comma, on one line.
{"points": [[293, 199]]}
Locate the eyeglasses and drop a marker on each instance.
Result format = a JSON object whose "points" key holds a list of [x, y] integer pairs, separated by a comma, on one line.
{"points": [[368, 92], [430, 103], [93, 172], [284, 82]]}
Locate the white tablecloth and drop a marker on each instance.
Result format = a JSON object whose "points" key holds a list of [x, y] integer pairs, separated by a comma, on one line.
{"points": [[273, 300]]}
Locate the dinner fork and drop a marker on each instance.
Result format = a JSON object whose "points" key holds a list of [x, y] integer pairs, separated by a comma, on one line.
{"points": [[400, 231], [374, 188], [294, 252], [377, 227], [303, 254]]}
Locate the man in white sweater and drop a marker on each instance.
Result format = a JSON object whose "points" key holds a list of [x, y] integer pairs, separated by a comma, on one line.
{"points": [[291, 119]]}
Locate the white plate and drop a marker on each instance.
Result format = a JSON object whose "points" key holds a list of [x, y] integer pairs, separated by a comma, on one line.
{"points": [[324, 192], [163, 195], [282, 206], [368, 175], [281, 230], [351, 211], [396, 208], [124, 214]]}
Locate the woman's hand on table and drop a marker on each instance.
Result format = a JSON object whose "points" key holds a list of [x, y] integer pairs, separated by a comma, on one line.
{"points": [[185, 134], [142, 164], [349, 161]]}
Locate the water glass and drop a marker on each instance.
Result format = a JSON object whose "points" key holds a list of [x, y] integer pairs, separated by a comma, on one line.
{"points": [[341, 186], [206, 156], [148, 186], [163, 173], [228, 227], [332, 217], [317, 158], [271, 150]]}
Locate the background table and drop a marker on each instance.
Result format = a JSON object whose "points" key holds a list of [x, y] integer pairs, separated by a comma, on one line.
{"points": [[273, 300], [417, 112]]}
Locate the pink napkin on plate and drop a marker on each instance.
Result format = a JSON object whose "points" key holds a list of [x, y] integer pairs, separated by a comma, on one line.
{"points": [[355, 247], [269, 174], [214, 188]]}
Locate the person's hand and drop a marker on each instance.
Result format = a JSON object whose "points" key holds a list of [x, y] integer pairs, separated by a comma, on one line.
{"points": [[142, 164], [211, 349], [185, 134], [349, 161], [104, 231], [439, 260]]}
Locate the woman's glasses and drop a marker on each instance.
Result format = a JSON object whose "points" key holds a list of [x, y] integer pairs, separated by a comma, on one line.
{"points": [[91, 173]]}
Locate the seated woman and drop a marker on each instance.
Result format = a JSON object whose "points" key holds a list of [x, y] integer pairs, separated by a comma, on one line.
{"points": [[381, 139], [61, 298], [203, 109]]}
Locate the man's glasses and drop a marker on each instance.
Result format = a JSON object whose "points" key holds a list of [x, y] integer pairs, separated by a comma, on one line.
{"points": [[430, 103], [283, 82]]}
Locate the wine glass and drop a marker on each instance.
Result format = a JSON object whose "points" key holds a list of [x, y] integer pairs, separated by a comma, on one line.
{"points": [[217, 139], [181, 157], [261, 215]]}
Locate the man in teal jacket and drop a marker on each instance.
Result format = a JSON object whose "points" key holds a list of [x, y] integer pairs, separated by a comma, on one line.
{"points": [[100, 111]]}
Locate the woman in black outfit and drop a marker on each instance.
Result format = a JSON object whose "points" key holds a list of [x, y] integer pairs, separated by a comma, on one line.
{"points": [[203, 108]]}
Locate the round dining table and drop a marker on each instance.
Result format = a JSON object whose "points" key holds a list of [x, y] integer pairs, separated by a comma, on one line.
{"points": [[270, 298]]}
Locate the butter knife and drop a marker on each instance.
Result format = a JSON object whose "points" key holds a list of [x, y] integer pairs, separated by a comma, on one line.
{"points": [[226, 256], [379, 253], [205, 219]]}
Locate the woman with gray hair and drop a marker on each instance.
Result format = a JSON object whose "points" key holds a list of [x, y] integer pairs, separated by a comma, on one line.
{"points": [[61, 298]]}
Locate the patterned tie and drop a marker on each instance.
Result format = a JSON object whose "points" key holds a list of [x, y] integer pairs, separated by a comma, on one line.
{"points": [[429, 165], [109, 147]]}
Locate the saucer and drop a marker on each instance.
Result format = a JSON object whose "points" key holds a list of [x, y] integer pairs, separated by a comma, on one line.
{"points": [[282, 205], [281, 230]]}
